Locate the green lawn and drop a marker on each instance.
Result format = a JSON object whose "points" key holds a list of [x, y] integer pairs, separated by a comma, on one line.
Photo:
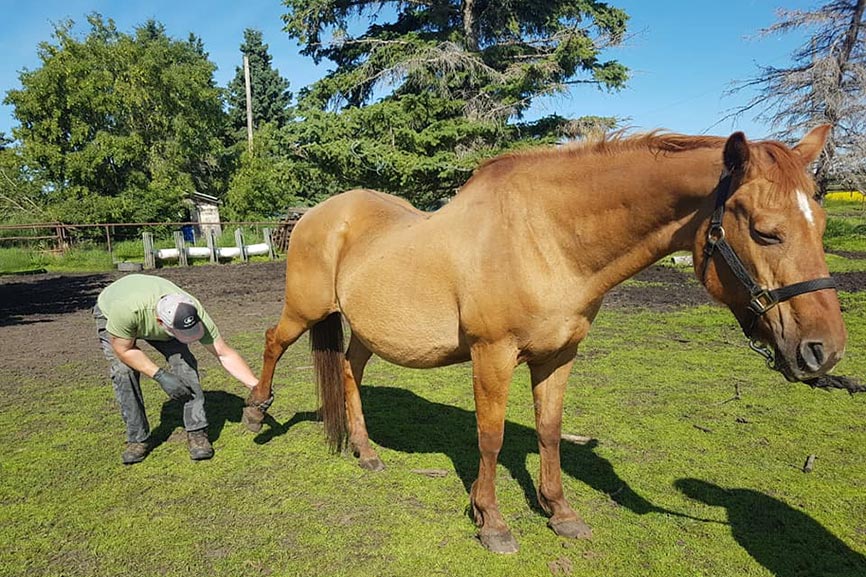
{"points": [[682, 478], [695, 468]]}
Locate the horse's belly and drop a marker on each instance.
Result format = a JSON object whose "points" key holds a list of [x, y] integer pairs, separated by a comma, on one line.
{"points": [[406, 326], [409, 341]]}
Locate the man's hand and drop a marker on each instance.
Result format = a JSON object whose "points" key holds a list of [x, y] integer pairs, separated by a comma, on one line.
{"points": [[172, 385]]}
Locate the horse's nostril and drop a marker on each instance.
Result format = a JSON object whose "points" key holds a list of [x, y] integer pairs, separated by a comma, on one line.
{"points": [[812, 356]]}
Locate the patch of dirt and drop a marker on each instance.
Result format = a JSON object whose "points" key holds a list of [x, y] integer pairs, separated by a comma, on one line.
{"points": [[659, 288], [851, 282], [45, 319], [851, 254]]}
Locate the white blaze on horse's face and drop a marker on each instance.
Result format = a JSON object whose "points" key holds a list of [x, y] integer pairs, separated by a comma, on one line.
{"points": [[805, 207]]}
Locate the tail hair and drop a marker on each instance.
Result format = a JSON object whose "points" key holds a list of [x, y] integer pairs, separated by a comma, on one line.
{"points": [[326, 339]]}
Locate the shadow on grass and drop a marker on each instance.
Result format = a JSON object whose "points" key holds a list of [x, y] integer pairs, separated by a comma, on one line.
{"points": [[401, 420], [220, 407], [786, 541], [275, 429]]}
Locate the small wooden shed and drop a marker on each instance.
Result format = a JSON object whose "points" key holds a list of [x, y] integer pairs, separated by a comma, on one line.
{"points": [[205, 209]]}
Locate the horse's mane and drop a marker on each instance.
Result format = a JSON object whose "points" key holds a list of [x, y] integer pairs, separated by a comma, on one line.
{"points": [[613, 143], [779, 164]]}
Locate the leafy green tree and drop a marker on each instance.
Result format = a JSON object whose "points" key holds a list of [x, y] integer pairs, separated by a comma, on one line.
{"points": [[267, 183], [416, 102], [120, 127], [271, 99], [21, 196]]}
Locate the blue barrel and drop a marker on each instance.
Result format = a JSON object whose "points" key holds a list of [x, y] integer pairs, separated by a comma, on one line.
{"points": [[188, 233]]}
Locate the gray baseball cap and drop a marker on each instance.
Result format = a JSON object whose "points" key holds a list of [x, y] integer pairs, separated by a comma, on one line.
{"points": [[180, 317]]}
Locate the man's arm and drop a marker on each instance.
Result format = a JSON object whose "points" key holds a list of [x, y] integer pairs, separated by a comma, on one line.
{"points": [[232, 362], [132, 356]]}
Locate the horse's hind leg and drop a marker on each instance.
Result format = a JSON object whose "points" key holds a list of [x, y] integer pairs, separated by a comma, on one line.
{"points": [[357, 356], [548, 388], [277, 339]]}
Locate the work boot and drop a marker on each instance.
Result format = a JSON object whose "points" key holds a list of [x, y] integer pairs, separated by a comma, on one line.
{"points": [[135, 453], [199, 445]]}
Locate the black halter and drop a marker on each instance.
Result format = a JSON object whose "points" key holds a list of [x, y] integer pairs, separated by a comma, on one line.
{"points": [[761, 299]]}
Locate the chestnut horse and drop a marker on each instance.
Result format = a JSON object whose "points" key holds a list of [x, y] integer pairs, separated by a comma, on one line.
{"points": [[515, 267]]}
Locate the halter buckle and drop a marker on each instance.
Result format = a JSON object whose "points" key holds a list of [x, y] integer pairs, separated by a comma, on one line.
{"points": [[762, 302]]}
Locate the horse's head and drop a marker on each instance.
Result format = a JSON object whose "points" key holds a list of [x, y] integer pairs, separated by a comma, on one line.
{"points": [[761, 254]]}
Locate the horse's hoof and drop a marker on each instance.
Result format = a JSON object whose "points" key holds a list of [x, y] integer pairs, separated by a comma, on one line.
{"points": [[252, 418], [503, 543], [571, 528], [372, 464]]}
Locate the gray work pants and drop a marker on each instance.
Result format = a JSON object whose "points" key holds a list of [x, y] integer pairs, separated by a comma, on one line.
{"points": [[127, 386]]}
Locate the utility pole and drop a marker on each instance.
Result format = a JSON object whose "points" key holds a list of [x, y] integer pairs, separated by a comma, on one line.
{"points": [[249, 103]]}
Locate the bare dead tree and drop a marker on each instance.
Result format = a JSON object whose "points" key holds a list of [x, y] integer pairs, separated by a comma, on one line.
{"points": [[826, 83]]}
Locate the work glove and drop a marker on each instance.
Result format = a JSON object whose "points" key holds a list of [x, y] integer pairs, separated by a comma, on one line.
{"points": [[172, 385]]}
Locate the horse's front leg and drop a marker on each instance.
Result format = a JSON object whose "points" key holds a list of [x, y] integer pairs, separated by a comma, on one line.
{"points": [[492, 367], [277, 340], [357, 356], [548, 389]]}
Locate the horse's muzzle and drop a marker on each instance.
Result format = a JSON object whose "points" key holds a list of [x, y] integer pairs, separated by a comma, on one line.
{"points": [[810, 359]]}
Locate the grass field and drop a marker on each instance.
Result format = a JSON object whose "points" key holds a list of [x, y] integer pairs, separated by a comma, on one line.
{"points": [[682, 478], [695, 467]]}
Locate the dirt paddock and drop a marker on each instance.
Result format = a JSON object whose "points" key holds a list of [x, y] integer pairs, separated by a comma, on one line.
{"points": [[45, 319]]}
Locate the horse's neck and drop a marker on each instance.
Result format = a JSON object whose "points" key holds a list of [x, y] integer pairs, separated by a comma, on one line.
{"points": [[631, 210]]}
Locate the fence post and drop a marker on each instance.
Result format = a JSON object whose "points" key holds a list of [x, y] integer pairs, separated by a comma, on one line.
{"points": [[180, 244], [108, 240], [149, 256], [62, 238], [266, 232], [239, 240], [211, 245]]}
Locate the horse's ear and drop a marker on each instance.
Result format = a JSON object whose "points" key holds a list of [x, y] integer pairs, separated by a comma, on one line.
{"points": [[736, 152], [812, 144]]}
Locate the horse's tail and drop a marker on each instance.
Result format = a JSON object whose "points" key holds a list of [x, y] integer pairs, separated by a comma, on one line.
{"points": [[326, 339]]}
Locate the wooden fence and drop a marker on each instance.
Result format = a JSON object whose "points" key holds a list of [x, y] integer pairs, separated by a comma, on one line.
{"points": [[55, 232], [59, 237]]}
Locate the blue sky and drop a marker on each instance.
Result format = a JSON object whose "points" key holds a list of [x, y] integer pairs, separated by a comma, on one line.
{"points": [[683, 54]]}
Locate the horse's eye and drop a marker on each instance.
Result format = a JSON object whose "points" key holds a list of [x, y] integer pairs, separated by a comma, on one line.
{"points": [[766, 237]]}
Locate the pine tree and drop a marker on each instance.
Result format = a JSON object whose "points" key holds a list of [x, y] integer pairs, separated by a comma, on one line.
{"points": [[271, 98], [430, 88], [493, 57]]}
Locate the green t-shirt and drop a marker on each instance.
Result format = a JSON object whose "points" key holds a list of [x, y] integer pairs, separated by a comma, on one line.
{"points": [[129, 304]]}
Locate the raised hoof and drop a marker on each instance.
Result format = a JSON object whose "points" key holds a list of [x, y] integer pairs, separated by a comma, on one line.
{"points": [[373, 464], [571, 528], [252, 418], [503, 543]]}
